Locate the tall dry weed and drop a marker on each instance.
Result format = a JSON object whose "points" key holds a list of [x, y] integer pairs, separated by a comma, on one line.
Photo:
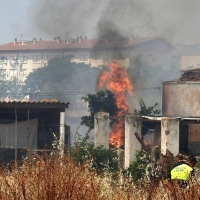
{"points": [[59, 178], [49, 178]]}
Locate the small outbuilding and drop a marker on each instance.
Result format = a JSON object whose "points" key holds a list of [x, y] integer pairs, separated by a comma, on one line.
{"points": [[31, 126]]}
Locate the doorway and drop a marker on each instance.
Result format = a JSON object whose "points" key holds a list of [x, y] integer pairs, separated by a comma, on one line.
{"points": [[183, 138]]}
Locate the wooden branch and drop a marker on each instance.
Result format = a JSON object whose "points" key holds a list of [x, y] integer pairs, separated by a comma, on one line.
{"points": [[86, 135], [76, 134], [140, 141]]}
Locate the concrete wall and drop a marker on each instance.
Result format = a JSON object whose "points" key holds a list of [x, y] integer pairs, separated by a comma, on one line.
{"points": [[170, 135], [132, 125], [181, 99], [101, 130]]}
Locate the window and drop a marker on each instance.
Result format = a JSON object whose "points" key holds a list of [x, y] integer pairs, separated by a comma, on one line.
{"points": [[23, 59], [22, 42], [23, 71], [3, 58], [36, 59], [12, 57], [46, 58], [85, 57], [26, 59]]}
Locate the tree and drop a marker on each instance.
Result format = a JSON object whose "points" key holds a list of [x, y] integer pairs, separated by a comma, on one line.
{"points": [[54, 72], [61, 76], [9, 88], [148, 111], [101, 101], [13, 89]]}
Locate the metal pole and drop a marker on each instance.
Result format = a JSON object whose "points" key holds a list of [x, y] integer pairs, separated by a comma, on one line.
{"points": [[62, 133], [16, 135], [17, 70], [6, 137], [69, 141], [28, 136]]}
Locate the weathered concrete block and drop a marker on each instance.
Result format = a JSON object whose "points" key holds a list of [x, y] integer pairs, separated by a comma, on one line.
{"points": [[101, 129], [170, 135], [132, 125]]}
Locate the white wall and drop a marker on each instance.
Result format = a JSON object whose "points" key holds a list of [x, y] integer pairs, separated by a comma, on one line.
{"points": [[181, 99]]}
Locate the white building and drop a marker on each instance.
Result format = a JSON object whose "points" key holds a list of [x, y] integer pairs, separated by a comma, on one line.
{"points": [[19, 58]]}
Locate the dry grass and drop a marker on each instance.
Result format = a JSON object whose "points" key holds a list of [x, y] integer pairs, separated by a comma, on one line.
{"points": [[53, 178], [49, 178]]}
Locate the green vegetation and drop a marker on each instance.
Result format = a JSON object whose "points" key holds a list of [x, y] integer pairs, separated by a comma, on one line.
{"points": [[100, 158], [138, 167], [198, 163], [61, 76], [104, 101], [9, 88], [148, 111]]}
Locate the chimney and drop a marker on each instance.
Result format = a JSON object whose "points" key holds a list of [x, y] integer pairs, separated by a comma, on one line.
{"points": [[58, 39], [34, 40], [79, 39], [15, 41]]}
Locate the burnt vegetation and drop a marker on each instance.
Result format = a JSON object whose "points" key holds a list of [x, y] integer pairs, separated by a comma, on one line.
{"points": [[54, 177]]}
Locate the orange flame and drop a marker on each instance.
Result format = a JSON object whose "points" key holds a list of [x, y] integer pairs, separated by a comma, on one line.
{"points": [[117, 81]]}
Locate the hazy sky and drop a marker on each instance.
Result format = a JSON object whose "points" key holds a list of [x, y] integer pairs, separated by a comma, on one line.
{"points": [[176, 20]]}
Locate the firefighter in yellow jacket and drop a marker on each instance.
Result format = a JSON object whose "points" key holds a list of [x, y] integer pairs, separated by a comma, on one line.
{"points": [[184, 171]]}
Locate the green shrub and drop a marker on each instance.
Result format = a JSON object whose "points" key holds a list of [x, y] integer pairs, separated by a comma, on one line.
{"points": [[100, 158], [144, 167], [137, 169], [198, 163]]}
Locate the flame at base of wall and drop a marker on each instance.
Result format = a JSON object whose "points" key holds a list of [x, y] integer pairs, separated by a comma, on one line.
{"points": [[116, 79]]}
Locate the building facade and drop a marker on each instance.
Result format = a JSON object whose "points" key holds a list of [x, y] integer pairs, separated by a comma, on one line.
{"points": [[19, 58]]}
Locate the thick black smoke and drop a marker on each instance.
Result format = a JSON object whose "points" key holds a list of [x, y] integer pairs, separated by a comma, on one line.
{"points": [[176, 21]]}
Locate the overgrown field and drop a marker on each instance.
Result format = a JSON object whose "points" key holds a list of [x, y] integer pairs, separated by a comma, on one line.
{"points": [[55, 178]]}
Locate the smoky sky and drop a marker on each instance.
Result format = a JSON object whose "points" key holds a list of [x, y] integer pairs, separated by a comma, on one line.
{"points": [[175, 20]]}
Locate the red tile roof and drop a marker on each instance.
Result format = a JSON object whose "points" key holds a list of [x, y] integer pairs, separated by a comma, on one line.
{"points": [[34, 104], [84, 44]]}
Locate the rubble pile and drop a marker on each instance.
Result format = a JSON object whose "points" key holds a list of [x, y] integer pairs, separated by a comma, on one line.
{"points": [[191, 75]]}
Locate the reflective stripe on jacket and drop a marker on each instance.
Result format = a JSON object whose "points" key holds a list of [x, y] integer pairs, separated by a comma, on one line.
{"points": [[181, 172]]}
